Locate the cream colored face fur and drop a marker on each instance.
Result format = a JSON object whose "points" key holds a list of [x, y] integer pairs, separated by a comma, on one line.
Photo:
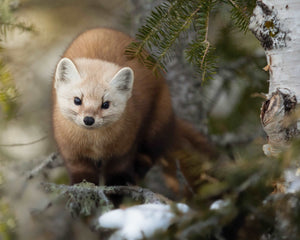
{"points": [[94, 82]]}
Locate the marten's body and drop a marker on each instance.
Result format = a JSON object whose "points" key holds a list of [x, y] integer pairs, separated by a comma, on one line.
{"points": [[110, 114]]}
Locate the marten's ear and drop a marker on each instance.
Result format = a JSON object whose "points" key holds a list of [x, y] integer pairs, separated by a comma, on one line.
{"points": [[123, 80], [66, 72]]}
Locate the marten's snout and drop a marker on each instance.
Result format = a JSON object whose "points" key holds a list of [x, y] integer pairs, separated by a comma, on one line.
{"points": [[88, 121]]}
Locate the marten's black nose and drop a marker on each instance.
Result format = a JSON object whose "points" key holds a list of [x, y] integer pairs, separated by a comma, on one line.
{"points": [[88, 121]]}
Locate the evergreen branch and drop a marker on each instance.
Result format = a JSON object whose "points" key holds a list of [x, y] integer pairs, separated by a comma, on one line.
{"points": [[164, 26], [170, 19], [174, 36], [8, 92], [233, 4], [206, 41], [199, 51], [241, 14], [205, 63], [155, 21], [8, 22], [200, 54], [11, 25], [150, 33]]}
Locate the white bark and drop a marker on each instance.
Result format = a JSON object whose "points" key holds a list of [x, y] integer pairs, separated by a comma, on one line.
{"points": [[276, 23]]}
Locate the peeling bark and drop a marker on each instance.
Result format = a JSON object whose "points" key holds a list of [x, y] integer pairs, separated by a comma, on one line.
{"points": [[278, 122], [276, 25]]}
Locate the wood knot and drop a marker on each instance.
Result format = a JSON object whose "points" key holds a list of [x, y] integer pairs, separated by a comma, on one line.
{"points": [[278, 120]]}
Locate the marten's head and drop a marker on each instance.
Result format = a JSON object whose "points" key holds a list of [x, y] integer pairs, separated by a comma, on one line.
{"points": [[92, 92]]}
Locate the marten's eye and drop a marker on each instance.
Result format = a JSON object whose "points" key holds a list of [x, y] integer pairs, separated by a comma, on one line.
{"points": [[77, 101], [105, 105]]}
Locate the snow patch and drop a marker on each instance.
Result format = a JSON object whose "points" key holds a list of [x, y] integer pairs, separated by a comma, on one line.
{"points": [[219, 204], [292, 180], [140, 221]]}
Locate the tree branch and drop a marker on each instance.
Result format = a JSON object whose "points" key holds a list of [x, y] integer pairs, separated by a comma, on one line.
{"points": [[135, 192], [23, 144], [52, 161], [85, 197]]}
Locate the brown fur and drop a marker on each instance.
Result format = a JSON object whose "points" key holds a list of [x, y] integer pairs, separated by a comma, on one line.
{"points": [[146, 127], [127, 148]]}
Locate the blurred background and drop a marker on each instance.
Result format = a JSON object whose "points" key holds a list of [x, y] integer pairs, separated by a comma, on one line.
{"points": [[225, 108]]}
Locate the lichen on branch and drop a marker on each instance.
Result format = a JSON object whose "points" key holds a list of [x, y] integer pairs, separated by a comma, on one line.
{"points": [[84, 198]]}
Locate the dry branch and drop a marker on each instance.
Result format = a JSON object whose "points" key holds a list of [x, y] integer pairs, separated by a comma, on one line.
{"points": [[52, 161], [24, 144]]}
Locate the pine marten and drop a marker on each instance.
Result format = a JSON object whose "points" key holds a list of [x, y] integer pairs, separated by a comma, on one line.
{"points": [[110, 114]]}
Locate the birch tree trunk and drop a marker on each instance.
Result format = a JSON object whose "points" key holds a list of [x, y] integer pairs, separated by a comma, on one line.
{"points": [[276, 24]]}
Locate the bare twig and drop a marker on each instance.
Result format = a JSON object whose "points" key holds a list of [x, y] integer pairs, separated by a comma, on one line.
{"points": [[181, 177], [38, 211], [23, 144], [232, 139], [52, 161]]}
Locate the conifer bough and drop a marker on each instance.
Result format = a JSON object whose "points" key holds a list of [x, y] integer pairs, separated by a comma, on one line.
{"points": [[276, 24]]}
